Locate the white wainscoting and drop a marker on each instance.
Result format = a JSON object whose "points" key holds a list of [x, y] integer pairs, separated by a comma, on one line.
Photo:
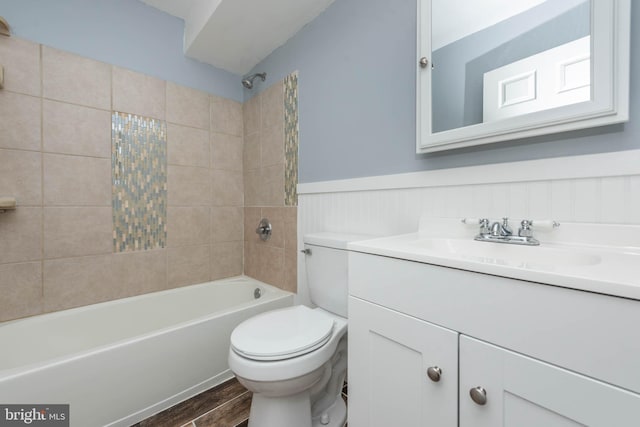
{"points": [[356, 206]]}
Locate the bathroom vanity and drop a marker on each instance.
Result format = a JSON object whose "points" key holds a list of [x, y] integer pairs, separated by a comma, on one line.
{"points": [[442, 336]]}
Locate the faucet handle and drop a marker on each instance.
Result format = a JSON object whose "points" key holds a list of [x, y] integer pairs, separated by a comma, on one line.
{"points": [[484, 225], [525, 228], [482, 222], [505, 226]]}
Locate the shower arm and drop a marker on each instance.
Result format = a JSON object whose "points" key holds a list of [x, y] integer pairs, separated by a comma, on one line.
{"points": [[248, 81]]}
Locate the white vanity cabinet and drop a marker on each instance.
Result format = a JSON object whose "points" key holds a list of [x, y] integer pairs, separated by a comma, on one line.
{"points": [[540, 355], [405, 370], [524, 392]]}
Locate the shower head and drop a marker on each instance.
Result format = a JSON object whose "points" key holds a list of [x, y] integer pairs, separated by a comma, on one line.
{"points": [[248, 82]]}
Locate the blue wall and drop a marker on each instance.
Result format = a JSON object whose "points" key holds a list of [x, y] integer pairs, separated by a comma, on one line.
{"points": [[356, 66], [126, 33]]}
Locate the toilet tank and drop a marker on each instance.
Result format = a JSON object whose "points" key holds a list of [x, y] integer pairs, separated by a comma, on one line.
{"points": [[326, 266]]}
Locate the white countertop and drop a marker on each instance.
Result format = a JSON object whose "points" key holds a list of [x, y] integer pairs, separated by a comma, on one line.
{"points": [[588, 257]]}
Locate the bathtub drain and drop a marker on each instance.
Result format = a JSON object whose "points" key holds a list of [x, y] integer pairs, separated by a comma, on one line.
{"points": [[257, 293]]}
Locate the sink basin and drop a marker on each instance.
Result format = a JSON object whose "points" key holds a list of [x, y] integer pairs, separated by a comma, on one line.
{"points": [[591, 257], [529, 257]]}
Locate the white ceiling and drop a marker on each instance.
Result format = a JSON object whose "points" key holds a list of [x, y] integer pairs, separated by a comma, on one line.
{"points": [[235, 35]]}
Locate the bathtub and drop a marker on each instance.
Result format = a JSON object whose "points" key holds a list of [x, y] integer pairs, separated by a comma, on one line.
{"points": [[119, 362]]}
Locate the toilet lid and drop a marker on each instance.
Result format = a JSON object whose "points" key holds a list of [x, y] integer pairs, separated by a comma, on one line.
{"points": [[282, 334]]}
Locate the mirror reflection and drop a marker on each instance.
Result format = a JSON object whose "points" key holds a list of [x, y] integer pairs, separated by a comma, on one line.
{"points": [[507, 58]]}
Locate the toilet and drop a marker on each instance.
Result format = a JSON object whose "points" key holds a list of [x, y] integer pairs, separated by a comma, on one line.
{"points": [[294, 360]]}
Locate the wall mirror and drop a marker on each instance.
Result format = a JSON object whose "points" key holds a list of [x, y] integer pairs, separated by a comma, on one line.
{"points": [[502, 69]]}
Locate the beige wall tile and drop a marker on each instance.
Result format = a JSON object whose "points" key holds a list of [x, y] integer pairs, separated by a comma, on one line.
{"points": [[74, 282], [21, 62], [270, 265], [19, 121], [187, 146], [252, 155], [70, 232], [72, 78], [226, 260], [21, 232], [291, 227], [227, 188], [272, 105], [251, 115], [188, 226], [20, 176], [251, 259], [265, 263], [138, 94], [272, 146], [252, 217], [276, 218], [227, 224], [188, 186], [140, 272], [76, 181], [226, 116], [73, 129], [290, 280], [188, 265], [272, 185], [253, 188], [291, 249], [186, 106], [20, 290], [226, 152]]}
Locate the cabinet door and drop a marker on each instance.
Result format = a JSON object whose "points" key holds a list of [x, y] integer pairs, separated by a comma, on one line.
{"points": [[389, 355], [524, 392]]}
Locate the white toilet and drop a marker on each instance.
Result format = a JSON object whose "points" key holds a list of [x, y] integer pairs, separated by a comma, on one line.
{"points": [[294, 360]]}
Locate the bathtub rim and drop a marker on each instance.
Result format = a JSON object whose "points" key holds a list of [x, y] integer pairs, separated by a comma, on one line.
{"points": [[15, 372]]}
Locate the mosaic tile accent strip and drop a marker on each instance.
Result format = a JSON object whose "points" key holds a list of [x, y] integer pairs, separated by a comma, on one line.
{"points": [[291, 139], [139, 182]]}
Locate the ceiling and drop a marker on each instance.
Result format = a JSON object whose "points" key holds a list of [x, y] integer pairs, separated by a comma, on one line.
{"points": [[235, 35]]}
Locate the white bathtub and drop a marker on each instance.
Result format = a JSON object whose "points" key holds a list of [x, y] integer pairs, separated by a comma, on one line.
{"points": [[118, 362]]}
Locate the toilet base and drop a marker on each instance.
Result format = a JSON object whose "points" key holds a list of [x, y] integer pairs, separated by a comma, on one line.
{"points": [[337, 415], [292, 411]]}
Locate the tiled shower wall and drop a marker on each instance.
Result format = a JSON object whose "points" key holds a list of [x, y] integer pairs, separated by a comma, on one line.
{"points": [[57, 247], [270, 157]]}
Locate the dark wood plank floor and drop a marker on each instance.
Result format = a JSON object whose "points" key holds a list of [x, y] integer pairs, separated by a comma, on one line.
{"points": [[226, 405]]}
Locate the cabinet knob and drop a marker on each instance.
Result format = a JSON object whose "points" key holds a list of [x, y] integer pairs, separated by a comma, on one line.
{"points": [[424, 62], [434, 373], [478, 395]]}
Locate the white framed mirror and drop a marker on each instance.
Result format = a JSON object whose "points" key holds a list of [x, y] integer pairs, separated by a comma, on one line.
{"points": [[499, 70]]}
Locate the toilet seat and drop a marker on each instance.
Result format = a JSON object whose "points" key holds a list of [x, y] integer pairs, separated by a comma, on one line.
{"points": [[282, 334]]}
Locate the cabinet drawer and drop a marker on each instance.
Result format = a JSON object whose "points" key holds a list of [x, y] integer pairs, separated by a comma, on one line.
{"points": [[523, 392], [595, 335]]}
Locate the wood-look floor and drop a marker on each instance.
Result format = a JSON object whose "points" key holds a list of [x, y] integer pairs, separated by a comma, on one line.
{"points": [[226, 405]]}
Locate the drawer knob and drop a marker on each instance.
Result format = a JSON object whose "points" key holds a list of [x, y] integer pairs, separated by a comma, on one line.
{"points": [[434, 373], [478, 395]]}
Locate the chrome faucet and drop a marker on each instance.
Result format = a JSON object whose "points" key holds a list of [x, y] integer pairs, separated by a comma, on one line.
{"points": [[501, 232]]}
